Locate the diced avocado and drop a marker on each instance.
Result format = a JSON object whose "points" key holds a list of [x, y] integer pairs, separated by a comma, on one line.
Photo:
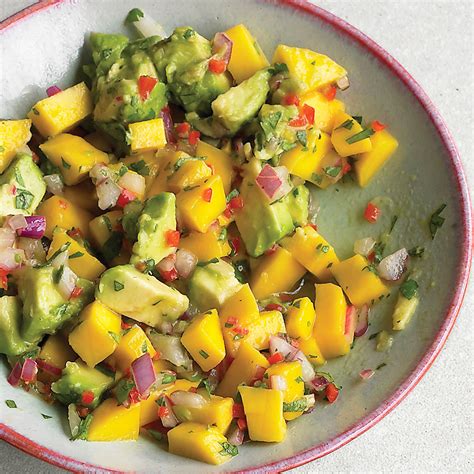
{"points": [[21, 187], [211, 284], [157, 218], [11, 342], [297, 202], [77, 378], [131, 213], [44, 308], [139, 296], [106, 50]]}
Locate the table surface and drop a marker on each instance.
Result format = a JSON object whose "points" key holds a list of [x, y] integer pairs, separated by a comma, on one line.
{"points": [[431, 431]]}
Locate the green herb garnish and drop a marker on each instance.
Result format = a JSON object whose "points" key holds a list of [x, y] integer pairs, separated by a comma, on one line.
{"points": [[203, 354], [229, 449], [348, 124], [123, 389], [299, 404], [83, 428], [302, 137], [436, 220], [46, 417], [23, 199], [409, 289], [332, 171], [10, 404], [416, 251], [118, 286], [360, 136], [65, 164], [76, 255], [140, 167], [134, 15]]}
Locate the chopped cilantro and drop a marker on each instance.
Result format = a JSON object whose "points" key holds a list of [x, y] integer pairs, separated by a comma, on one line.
{"points": [[392, 224], [107, 222], [10, 404], [241, 270], [23, 199], [118, 286], [203, 354], [35, 111], [436, 220], [279, 68], [57, 274], [168, 378], [409, 289], [112, 246], [332, 171], [19, 178], [123, 169], [140, 167], [299, 404], [383, 364], [358, 118], [114, 336], [144, 347], [222, 234], [373, 336], [83, 428], [234, 193], [228, 449], [299, 379], [348, 124], [123, 388], [76, 255], [360, 136], [134, 15], [207, 262], [302, 137], [416, 251], [207, 385], [317, 178], [184, 159], [46, 417], [188, 33], [65, 164]]}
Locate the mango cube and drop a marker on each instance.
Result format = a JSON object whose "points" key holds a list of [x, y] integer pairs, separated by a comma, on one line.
{"points": [[264, 412], [207, 245], [13, 135], [369, 163], [324, 109], [312, 251], [299, 320], [360, 284], [311, 350], [203, 340], [63, 111], [112, 422], [101, 227], [167, 160], [199, 207], [145, 164], [404, 310], [275, 273], [147, 135], [96, 335], [344, 132], [219, 160], [268, 324], [247, 57], [83, 195], [56, 352], [190, 173]]}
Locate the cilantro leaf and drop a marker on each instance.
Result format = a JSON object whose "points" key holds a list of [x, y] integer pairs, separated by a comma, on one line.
{"points": [[133, 15], [409, 289], [436, 221]]}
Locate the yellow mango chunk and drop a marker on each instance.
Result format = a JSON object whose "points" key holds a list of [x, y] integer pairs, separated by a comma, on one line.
{"points": [[329, 327], [167, 159], [324, 109], [341, 134], [145, 164], [132, 345], [81, 262], [368, 164], [330, 169], [101, 227], [311, 350], [73, 156], [112, 422], [264, 412], [404, 310], [262, 328], [275, 273], [203, 340], [311, 69], [200, 442], [56, 352], [242, 370], [312, 251], [60, 212], [207, 245], [292, 374], [189, 174], [198, 208], [147, 135], [63, 111], [299, 320], [359, 284], [14, 134], [219, 160], [83, 195], [247, 57], [96, 335]]}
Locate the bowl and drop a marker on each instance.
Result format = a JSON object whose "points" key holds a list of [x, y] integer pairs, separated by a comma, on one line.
{"points": [[43, 45]]}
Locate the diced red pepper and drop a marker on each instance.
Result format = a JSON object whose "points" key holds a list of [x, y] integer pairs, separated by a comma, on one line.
{"points": [[330, 92], [3, 279], [169, 275], [240, 330], [371, 257], [242, 424], [291, 99], [285, 297], [271, 250], [13, 191], [308, 112], [134, 395], [298, 122], [238, 410], [194, 137], [76, 292], [145, 86], [332, 393], [217, 66], [119, 98], [275, 358], [234, 242], [314, 226], [35, 157], [172, 237], [125, 197], [125, 325], [231, 321], [274, 307], [207, 195], [157, 356], [75, 233], [227, 212], [182, 129], [62, 204], [82, 411], [371, 213], [236, 203], [377, 126], [163, 411], [346, 168], [87, 397]]}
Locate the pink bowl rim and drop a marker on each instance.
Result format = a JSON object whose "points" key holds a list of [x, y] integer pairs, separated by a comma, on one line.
{"points": [[316, 452]]}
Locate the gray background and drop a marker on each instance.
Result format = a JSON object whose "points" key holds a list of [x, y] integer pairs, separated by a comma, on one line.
{"points": [[432, 430]]}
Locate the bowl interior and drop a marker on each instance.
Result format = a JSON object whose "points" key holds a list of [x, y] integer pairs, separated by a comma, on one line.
{"points": [[47, 48]]}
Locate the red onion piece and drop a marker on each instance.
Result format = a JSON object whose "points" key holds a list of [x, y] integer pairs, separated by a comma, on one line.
{"points": [[351, 322], [362, 321], [188, 399], [108, 193], [53, 90], [29, 371], [7, 238], [67, 283], [366, 374], [15, 375], [319, 383], [278, 344], [306, 366], [167, 264], [35, 227], [274, 182], [391, 268], [169, 420], [236, 436], [222, 47], [168, 124], [51, 369], [17, 222], [185, 262], [259, 372], [143, 373]]}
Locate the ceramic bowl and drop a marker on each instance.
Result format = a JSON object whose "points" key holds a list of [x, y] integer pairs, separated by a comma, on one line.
{"points": [[44, 45]]}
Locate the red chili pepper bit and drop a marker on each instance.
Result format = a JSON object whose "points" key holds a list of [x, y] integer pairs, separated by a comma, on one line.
{"points": [[170, 275], [125, 197], [125, 325], [194, 137], [207, 195], [157, 356], [217, 66], [87, 397], [298, 122], [62, 204], [238, 410], [291, 99], [271, 250], [242, 424], [35, 157], [330, 92], [275, 358], [172, 237], [371, 257], [13, 190], [371, 213], [274, 307], [231, 320], [3, 280], [236, 202], [240, 330], [308, 112], [134, 395], [332, 392], [145, 86], [314, 226], [378, 126], [163, 411], [75, 232], [76, 292], [182, 129], [346, 168], [82, 411], [234, 242]]}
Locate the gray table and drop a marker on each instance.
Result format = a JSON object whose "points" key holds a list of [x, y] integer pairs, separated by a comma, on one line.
{"points": [[432, 429]]}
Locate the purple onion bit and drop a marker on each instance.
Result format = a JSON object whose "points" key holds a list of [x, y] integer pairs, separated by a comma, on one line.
{"points": [[143, 373], [53, 90], [35, 227]]}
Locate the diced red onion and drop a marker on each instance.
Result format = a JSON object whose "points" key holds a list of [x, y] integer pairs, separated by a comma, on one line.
{"points": [[167, 264], [143, 373], [188, 399], [274, 182], [236, 436], [169, 420], [277, 382], [319, 383], [147, 26], [306, 366], [350, 323], [278, 344], [53, 90], [17, 222], [364, 246], [362, 321], [99, 173], [222, 47], [391, 268], [11, 259], [54, 183], [29, 371], [14, 377], [67, 282], [7, 238], [108, 193], [73, 419], [35, 227], [366, 374], [343, 83], [185, 262], [51, 369], [133, 182], [165, 114]]}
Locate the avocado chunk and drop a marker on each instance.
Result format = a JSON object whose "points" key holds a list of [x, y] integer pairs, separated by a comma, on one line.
{"points": [[140, 296], [157, 218], [131, 213], [44, 308], [297, 203], [211, 284], [76, 378], [11, 342], [21, 187]]}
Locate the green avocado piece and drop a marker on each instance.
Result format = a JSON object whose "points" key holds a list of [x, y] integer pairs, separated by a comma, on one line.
{"points": [[158, 217], [140, 296], [131, 213], [297, 202], [76, 378], [44, 308], [21, 187], [211, 284], [106, 50], [11, 342]]}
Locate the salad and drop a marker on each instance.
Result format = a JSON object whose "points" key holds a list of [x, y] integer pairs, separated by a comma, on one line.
{"points": [[161, 267]]}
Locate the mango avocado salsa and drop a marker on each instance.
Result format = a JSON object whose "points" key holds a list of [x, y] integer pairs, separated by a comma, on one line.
{"points": [[162, 270]]}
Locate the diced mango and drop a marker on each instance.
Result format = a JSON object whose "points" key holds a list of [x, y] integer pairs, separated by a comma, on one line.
{"points": [[83, 195], [199, 207], [113, 422], [264, 412], [368, 164], [60, 212], [81, 262], [145, 164], [14, 134], [299, 320], [101, 227], [275, 273], [311, 69], [345, 129], [311, 350], [167, 159], [324, 109], [63, 111], [262, 328], [56, 352], [403, 312], [96, 335], [360, 284], [219, 160], [329, 327], [189, 174], [203, 340], [200, 442], [247, 57], [242, 370], [207, 245], [73, 156], [292, 374], [331, 169], [148, 135], [312, 251]]}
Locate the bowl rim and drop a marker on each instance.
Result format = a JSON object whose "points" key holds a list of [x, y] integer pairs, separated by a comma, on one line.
{"points": [[383, 57]]}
